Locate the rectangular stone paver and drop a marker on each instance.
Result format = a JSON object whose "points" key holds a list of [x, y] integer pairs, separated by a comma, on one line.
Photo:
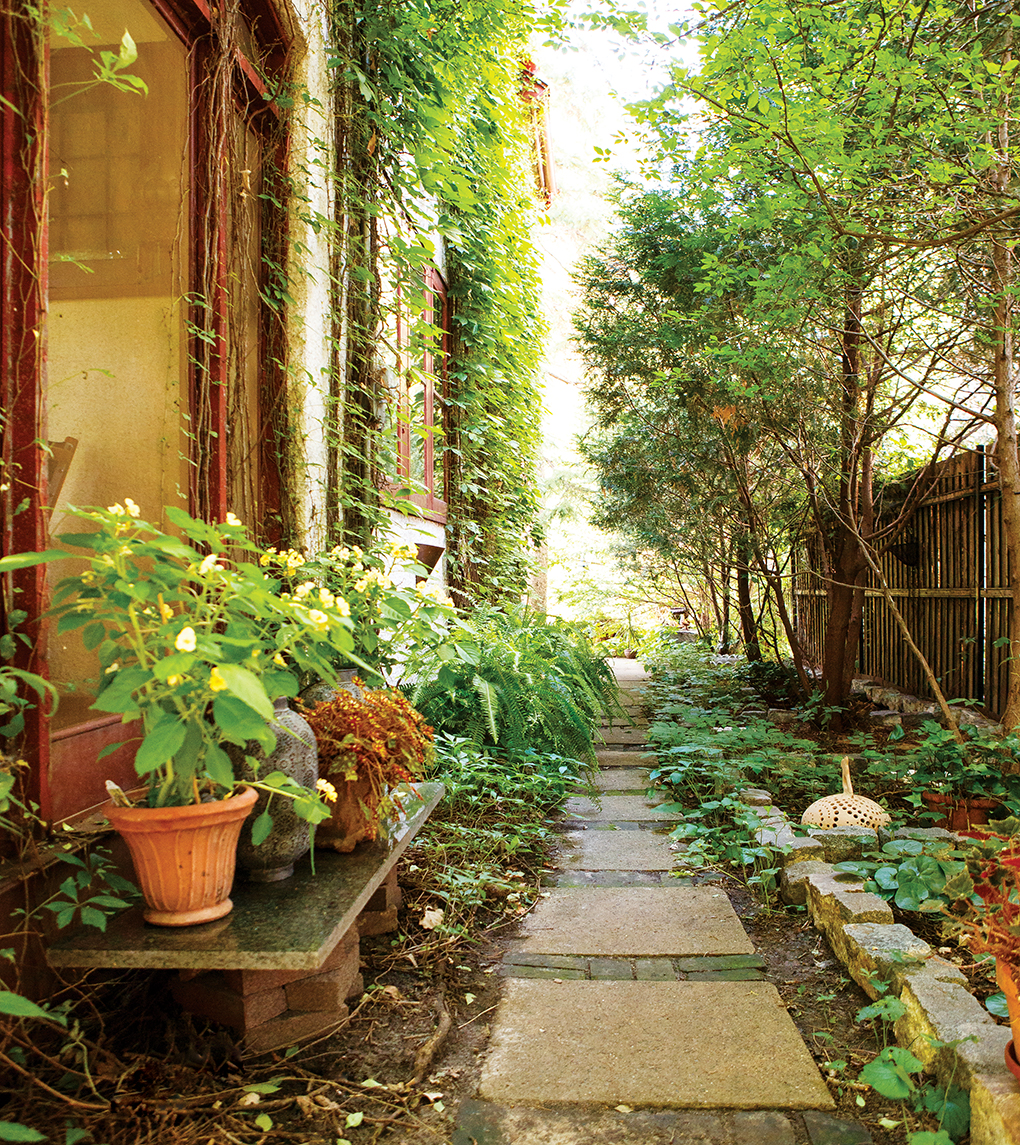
{"points": [[616, 757], [614, 851], [693, 1045], [623, 736], [622, 779], [635, 921], [611, 808]]}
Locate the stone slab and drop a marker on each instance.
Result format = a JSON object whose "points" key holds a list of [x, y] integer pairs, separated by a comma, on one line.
{"points": [[622, 737], [622, 779], [611, 808], [614, 851], [691, 1045], [484, 1123], [635, 921], [617, 757], [291, 925]]}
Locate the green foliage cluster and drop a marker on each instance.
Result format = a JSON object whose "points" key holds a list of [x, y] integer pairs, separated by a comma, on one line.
{"points": [[436, 153], [490, 831], [518, 680], [912, 873]]}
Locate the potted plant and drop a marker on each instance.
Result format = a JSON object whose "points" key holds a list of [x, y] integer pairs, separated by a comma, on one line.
{"points": [[195, 640], [391, 620], [961, 783], [986, 910], [368, 744]]}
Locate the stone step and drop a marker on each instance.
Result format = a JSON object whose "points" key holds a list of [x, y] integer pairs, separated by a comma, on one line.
{"points": [[692, 1045], [615, 757], [614, 851], [486, 1123], [663, 921], [623, 737], [705, 968], [614, 808]]}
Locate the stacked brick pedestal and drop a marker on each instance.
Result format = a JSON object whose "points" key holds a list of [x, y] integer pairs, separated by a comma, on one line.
{"points": [[276, 1008]]}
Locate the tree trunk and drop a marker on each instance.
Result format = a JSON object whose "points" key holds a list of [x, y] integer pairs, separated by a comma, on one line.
{"points": [[745, 609], [843, 624]]}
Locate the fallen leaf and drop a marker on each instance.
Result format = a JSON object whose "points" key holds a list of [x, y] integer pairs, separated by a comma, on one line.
{"points": [[431, 918], [469, 998], [371, 1083], [250, 1099], [392, 992], [624, 1109], [433, 1095]]}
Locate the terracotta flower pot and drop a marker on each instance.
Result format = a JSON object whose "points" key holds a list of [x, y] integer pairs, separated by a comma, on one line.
{"points": [[184, 856], [959, 814], [353, 817], [1007, 984]]}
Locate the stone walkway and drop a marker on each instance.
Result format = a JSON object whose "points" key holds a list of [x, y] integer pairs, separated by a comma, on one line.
{"points": [[630, 989]]}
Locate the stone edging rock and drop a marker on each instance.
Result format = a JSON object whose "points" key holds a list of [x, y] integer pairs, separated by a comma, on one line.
{"points": [[860, 929]]}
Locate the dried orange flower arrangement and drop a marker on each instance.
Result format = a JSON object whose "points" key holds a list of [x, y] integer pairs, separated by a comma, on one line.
{"points": [[367, 745]]}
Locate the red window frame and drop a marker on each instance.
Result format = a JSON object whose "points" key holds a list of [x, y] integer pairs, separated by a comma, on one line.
{"points": [[63, 778], [435, 369]]}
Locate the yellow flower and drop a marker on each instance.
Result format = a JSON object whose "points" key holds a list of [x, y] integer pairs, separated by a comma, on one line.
{"points": [[208, 565], [361, 585], [278, 659], [326, 790], [342, 607], [264, 559], [164, 609], [173, 681], [216, 681], [185, 641], [117, 510], [319, 619], [232, 520], [132, 508], [327, 598], [114, 667], [303, 590]]}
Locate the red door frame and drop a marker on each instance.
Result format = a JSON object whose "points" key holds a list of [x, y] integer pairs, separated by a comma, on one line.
{"points": [[23, 293]]}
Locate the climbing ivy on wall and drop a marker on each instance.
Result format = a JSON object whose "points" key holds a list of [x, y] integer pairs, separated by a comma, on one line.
{"points": [[431, 142]]}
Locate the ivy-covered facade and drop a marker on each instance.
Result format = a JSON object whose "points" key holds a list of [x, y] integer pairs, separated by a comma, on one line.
{"points": [[269, 258]]}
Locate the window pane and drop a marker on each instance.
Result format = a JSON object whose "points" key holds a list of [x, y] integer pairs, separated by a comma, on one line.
{"points": [[118, 241]]}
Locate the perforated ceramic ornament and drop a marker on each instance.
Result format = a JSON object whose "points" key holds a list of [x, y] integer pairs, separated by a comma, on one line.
{"points": [[846, 809]]}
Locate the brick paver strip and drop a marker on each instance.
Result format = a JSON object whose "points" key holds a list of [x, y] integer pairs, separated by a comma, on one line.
{"points": [[611, 808], [635, 921], [614, 851], [695, 1045]]}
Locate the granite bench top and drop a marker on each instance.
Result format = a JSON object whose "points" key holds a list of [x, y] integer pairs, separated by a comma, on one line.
{"points": [[289, 925]]}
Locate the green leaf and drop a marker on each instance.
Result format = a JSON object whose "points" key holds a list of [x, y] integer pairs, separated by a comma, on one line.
{"points": [[119, 695], [354, 1120], [21, 1007], [162, 742], [28, 560], [264, 1121], [246, 686], [261, 827], [262, 1087], [218, 766], [889, 1074], [15, 1131], [237, 721]]}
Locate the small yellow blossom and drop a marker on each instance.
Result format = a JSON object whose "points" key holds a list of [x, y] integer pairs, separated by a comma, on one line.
{"points": [[342, 607], [361, 585], [278, 659], [208, 565], [326, 790], [303, 590], [164, 609], [131, 507], [216, 681], [114, 667], [327, 598], [319, 619], [232, 520], [173, 681], [117, 510], [185, 641]]}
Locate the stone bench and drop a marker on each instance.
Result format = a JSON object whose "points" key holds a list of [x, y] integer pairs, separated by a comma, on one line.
{"points": [[280, 967]]}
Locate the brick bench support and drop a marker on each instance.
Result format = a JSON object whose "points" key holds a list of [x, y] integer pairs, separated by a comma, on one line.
{"points": [[282, 965]]}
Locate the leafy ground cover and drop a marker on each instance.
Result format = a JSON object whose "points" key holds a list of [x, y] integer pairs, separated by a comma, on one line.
{"points": [[712, 734]]}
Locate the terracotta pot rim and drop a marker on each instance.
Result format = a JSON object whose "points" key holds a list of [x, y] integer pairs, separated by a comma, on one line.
{"points": [[141, 819]]}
